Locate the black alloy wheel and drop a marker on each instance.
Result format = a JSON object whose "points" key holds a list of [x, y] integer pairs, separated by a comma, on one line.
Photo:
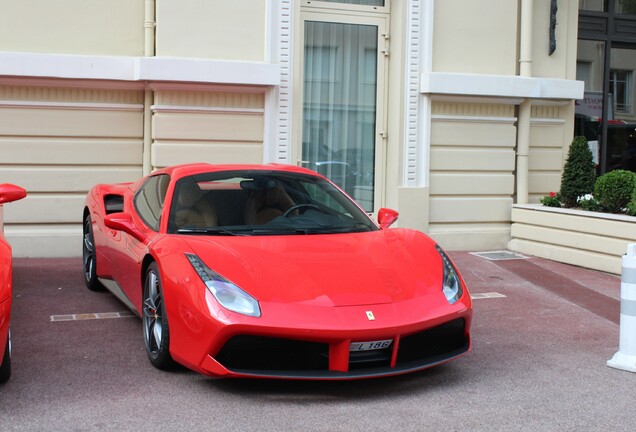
{"points": [[155, 321], [88, 257], [5, 367]]}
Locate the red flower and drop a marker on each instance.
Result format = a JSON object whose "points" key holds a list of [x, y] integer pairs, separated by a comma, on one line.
{"points": [[552, 194]]}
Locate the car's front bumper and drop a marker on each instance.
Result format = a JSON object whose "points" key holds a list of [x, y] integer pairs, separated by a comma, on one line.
{"points": [[274, 357], [311, 340]]}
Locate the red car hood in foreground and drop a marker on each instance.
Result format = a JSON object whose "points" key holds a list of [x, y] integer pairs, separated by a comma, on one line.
{"points": [[378, 267]]}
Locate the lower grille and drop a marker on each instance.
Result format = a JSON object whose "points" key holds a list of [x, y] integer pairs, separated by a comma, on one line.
{"points": [[278, 357], [273, 354], [370, 359], [437, 341]]}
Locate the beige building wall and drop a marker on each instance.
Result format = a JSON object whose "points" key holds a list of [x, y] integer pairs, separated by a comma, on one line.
{"points": [[91, 27], [471, 176], [562, 63], [477, 37], [550, 135], [477, 87], [57, 142], [207, 126], [212, 29], [473, 139]]}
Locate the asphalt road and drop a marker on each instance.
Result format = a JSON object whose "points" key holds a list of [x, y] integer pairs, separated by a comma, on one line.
{"points": [[541, 344]]}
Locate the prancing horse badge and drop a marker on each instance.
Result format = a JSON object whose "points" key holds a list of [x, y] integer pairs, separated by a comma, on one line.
{"points": [[370, 316]]}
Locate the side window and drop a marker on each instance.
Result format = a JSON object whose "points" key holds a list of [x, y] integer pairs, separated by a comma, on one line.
{"points": [[150, 198]]}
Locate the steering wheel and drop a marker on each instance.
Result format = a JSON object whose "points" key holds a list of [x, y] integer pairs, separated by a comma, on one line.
{"points": [[297, 206]]}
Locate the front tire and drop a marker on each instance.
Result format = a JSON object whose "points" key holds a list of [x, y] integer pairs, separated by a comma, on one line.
{"points": [[155, 321], [88, 257], [5, 367]]}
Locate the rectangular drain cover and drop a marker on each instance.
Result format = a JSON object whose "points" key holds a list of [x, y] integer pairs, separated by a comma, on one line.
{"points": [[499, 255], [92, 316], [478, 296]]}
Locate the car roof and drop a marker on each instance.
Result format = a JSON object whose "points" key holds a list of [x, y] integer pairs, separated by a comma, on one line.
{"points": [[184, 170]]}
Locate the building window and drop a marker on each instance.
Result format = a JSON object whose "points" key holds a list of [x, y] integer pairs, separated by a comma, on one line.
{"points": [[593, 5], [343, 73], [606, 115], [620, 88], [627, 7], [339, 109], [584, 72]]}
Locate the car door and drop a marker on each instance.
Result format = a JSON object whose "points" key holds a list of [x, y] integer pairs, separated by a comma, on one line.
{"points": [[145, 208]]}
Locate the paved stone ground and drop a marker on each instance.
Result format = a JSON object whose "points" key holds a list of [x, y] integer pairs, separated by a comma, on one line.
{"points": [[538, 363]]}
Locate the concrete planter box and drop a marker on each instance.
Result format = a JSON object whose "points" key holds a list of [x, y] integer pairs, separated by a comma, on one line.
{"points": [[587, 239]]}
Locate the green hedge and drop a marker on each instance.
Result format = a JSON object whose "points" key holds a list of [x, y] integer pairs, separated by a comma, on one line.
{"points": [[614, 190]]}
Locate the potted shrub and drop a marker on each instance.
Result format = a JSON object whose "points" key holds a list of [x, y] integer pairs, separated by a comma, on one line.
{"points": [[579, 173]]}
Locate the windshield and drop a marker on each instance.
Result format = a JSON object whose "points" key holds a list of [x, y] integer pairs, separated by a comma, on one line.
{"points": [[262, 203]]}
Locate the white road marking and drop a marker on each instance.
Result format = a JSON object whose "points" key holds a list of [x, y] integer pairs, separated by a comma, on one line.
{"points": [[92, 316], [478, 296]]}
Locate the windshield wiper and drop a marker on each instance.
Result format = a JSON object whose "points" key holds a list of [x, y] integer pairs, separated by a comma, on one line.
{"points": [[337, 230], [274, 231], [215, 231]]}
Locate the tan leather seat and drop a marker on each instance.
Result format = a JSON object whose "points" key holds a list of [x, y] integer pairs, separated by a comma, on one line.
{"points": [[193, 209], [264, 205]]}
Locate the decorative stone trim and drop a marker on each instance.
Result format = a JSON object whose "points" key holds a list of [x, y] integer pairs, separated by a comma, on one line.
{"points": [[283, 138], [71, 106], [71, 94]]}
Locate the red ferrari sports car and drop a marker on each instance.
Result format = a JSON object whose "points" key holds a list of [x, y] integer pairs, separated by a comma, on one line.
{"points": [[272, 271], [8, 193]]}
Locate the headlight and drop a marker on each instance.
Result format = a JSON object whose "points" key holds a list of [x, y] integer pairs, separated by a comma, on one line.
{"points": [[451, 286], [225, 292]]}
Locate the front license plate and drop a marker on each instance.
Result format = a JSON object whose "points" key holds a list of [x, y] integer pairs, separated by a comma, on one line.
{"points": [[369, 346]]}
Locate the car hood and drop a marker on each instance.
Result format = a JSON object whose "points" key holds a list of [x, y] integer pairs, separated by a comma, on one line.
{"points": [[326, 270]]}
